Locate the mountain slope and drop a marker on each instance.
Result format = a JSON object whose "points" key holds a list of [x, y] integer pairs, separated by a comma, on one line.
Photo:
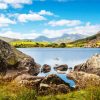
{"points": [[7, 39], [91, 41]]}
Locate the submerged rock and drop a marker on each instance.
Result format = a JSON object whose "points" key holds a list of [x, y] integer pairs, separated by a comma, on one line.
{"points": [[62, 67], [46, 68], [92, 65]]}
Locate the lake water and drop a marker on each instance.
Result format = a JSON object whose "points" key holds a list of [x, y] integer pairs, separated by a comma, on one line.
{"points": [[52, 56]]}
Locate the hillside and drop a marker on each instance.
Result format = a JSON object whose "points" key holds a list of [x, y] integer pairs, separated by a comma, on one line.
{"points": [[7, 39], [91, 41]]}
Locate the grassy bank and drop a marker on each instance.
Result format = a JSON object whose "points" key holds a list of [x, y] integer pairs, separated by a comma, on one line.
{"points": [[11, 91], [29, 44], [14, 92]]}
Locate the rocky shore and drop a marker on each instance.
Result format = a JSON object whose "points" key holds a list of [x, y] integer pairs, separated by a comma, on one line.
{"points": [[20, 68]]}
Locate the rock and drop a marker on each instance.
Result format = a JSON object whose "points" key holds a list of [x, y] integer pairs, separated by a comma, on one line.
{"points": [[62, 88], [52, 84], [62, 67], [46, 68], [6, 51], [44, 86], [3, 66], [83, 79], [28, 80], [30, 66], [46, 89], [53, 79], [12, 59], [92, 65]]}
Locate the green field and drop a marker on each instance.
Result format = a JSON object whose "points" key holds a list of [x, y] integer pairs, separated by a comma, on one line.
{"points": [[31, 44], [27, 44]]}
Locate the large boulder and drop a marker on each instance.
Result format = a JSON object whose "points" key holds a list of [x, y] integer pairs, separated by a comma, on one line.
{"points": [[6, 51], [12, 59], [92, 65], [3, 66], [46, 68], [62, 67], [83, 79]]}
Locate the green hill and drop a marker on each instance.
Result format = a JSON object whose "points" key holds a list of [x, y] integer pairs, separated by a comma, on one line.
{"points": [[91, 41]]}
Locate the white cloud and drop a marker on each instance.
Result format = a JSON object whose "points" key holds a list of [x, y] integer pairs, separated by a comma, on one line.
{"points": [[5, 21], [15, 3], [65, 22], [30, 17], [88, 29], [44, 12], [84, 30], [17, 35], [3, 6]]}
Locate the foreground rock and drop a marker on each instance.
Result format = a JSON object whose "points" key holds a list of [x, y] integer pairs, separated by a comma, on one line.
{"points": [[12, 60], [61, 67], [92, 65], [46, 68], [3, 66], [28, 80], [53, 84], [84, 80]]}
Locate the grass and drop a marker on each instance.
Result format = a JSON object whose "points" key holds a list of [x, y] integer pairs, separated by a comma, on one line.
{"points": [[12, 91], [92, 93]]}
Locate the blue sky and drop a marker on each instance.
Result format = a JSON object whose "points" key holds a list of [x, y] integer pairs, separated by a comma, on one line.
{"points": [[50, 18]]}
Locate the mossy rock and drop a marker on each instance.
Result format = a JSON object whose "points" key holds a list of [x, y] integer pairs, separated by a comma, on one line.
{"points": [[15, 59]]}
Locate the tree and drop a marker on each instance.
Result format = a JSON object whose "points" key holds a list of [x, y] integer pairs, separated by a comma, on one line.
{"points": [[62, 45]]}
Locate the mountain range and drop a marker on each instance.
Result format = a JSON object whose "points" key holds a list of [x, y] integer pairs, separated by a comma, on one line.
{"points": [[63, 38]]}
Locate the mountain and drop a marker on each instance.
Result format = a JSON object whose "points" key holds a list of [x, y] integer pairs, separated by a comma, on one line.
{"points": [[7, 39], [63, 38], [91, 41]]}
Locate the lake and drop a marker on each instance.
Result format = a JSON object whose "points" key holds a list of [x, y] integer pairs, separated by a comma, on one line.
{"points": [[69, 56], [52, 56]]}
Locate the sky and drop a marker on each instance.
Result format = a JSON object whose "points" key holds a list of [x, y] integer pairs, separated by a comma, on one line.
{"points": [[29, 19]]}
